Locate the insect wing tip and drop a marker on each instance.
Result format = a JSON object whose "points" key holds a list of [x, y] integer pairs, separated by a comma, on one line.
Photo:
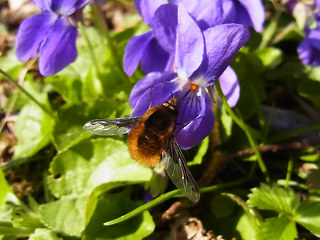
{"points": [[194, 196]]}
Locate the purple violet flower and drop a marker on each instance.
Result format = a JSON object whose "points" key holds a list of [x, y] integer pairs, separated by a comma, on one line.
{"points": [[200, 59], [309, 48], [51, 33], [146, 48], [250, 13]]}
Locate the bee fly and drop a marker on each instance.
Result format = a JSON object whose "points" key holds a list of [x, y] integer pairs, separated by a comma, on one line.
{"points": [[151, 141]]}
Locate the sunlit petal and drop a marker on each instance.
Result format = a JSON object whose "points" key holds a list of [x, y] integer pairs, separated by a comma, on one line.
{"points": [[147, 8], [134, 51], [59, 48], [189, 44], [164, 26], [230, 86], [31, 33]]}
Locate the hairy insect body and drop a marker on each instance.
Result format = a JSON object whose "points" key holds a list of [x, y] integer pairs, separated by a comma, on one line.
{"points": [[152, 135]]}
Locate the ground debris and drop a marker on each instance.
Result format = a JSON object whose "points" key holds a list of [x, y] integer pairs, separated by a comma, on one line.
{"points": [[191, 229]]}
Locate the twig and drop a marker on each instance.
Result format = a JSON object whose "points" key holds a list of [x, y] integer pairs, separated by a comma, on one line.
{"points": [[168, 214], [273, 148], [295, 146]]}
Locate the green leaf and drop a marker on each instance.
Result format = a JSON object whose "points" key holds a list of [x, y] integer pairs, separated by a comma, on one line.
{"points": [[97, 193], [25, 218], [222, 206], [250, 83], [4, 188], [44, 234], [277, 229], [69, 131], [6, 228], [310, 90], [313, 72], [201, 152], [79, 68], [92, 88], [68, 87], [66, 215], [226, 124], [33, 129], [274, 198], [139, 210], [11, 65], [110, 206], [35, 89], [70, 214], [91, 163], [246, 226], [311, 157], [270, 57], [307, 214]]}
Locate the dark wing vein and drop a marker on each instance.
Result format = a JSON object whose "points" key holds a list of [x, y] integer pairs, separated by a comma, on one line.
{"points": [[115, 126], [178, 171]]}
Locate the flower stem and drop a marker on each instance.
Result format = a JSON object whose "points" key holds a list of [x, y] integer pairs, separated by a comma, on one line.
{"points": [[246, 130], [87, 39], [43, 107], [289, 171]]}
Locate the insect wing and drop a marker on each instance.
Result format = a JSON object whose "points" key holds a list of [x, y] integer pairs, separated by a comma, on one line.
{"points": [[115, 126], [177, 169]]}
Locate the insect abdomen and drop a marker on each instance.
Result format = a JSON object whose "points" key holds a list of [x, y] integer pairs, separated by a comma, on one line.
{"points": [[146, 141], [142, 148]]}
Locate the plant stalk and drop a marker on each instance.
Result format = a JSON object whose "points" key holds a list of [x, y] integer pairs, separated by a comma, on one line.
{"points": [[246, 130]]}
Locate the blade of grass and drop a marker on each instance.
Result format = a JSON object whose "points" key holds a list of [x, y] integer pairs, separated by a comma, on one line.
{"points": [[139, 210], [172, 194]]}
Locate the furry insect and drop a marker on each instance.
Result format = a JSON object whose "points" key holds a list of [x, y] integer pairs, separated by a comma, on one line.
{"points": [[151, 141]]}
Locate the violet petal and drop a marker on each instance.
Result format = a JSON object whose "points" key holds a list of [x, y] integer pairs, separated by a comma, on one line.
{"points": [[308, 54], [189, 44], [314, 37], [256, 12], [59, 48], [44, 5], [208, 13], [230, 86], [195, 120], [154, 58], [70, 6], [147, 8], [222, 43], [148, 82], [154, 96], [164, 26], [32, 31], [134, 50]]}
